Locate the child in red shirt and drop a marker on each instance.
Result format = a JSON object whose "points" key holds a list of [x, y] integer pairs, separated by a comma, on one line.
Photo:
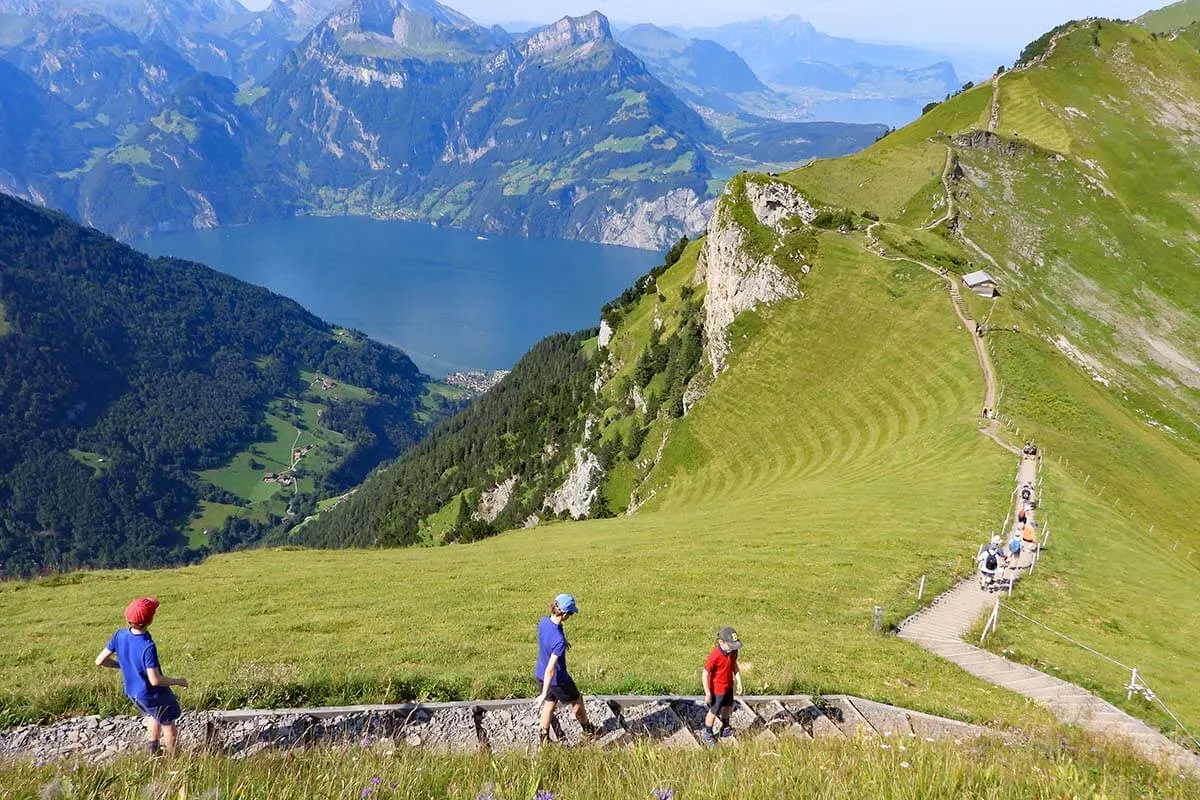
{"points": [[719, 677]]}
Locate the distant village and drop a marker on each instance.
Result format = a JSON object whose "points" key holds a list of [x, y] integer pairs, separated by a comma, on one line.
{"points": [[476, 380]]}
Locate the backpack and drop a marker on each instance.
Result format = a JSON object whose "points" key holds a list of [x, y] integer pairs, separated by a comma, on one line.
{"points": [[991, 562]]}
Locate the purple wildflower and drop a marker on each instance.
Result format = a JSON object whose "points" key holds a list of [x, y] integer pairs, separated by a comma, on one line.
{"points": [[366, 792], [663, 793], [544, 794], [486, 794], [376, 780]]}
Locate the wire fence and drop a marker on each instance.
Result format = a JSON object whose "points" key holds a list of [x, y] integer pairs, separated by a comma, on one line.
{"points": [[1137, 682]]}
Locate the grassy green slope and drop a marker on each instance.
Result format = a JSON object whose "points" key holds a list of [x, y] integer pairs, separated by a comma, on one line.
{"points": [[801, 494], [1173, 17], [1089, 204]]}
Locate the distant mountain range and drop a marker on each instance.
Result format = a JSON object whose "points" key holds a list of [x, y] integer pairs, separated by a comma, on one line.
{"points": [[143, 116]]}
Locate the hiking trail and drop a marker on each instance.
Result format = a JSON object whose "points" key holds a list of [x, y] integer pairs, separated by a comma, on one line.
{"points": [[941, 626]]}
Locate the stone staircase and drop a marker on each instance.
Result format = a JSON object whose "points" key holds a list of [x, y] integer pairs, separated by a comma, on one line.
{"points": [[497, 726]]}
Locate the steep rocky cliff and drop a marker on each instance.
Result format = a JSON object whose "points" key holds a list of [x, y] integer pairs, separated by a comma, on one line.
{"points": [[746, 259]]}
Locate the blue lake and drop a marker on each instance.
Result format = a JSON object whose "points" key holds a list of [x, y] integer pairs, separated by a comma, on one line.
{"points": [[451, 300]]}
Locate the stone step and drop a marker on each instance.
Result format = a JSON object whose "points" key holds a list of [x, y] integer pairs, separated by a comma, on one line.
{"points": [[741, 719], [610, 731], [813, 719], [842, 711], [443, 730], [886, 720], [657, 720], [503, 730], [779, 721]]}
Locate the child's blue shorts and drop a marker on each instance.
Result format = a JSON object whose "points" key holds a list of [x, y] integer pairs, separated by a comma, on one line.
{"points": [[161, 705]]}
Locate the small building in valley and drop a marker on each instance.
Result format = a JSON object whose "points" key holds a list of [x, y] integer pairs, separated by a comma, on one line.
{"points": [[981, 283]]}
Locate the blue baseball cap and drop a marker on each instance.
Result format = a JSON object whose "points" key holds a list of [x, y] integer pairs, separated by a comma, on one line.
{"points": [[566, 602]]}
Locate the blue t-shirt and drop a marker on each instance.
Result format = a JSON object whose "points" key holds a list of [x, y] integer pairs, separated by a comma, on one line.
{"points": [[552, 642], [136, 653]]}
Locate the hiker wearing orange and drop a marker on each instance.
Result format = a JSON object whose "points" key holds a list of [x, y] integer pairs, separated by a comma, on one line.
{"points": [[132, 651]]}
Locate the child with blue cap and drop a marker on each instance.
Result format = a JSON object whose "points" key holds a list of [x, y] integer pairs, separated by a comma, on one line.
{"points": [[551, 671]]}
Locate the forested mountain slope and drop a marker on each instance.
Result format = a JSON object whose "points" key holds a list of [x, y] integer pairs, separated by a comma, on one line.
{"points": [[123, 376]]}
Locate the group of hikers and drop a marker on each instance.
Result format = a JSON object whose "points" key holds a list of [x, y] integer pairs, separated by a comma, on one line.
{"points": [[132, 650], [1000, 562]]}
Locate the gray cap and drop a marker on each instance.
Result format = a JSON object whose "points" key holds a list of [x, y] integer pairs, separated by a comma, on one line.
{"points": [[730, 637]]}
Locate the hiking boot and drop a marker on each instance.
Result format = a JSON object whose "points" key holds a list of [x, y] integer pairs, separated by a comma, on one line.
{"points": [[727, 732], [707, 738], [590, 730], [543, 737]]}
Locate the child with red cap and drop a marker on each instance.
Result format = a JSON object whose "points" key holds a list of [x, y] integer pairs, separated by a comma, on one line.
{"points": [[132, 651]]}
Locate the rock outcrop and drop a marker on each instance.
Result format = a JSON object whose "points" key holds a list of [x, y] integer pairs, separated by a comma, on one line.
{"points": [[606, 333], [493, 502], [656, 223], [739, 276], [577, 492]]}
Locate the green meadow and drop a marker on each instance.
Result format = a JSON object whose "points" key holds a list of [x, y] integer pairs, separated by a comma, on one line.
{"points": [[1060, 765], [821, 477]]}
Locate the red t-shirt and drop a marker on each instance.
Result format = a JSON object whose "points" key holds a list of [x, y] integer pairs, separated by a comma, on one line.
{"points": [[720, 666]]}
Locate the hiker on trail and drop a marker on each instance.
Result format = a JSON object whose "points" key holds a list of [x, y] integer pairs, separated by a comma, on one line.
{"points": [[551, 671], [132, 651], [989, 558], [1014, 550], [721, 674], [1029, 533]]}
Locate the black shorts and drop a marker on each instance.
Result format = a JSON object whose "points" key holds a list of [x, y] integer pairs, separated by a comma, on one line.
{"points": [[722, 701], [565, 691], [161, 705]]}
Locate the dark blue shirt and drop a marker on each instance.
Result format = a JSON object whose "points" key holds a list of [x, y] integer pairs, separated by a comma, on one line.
{"points": [[551, 642], [136, 653]]}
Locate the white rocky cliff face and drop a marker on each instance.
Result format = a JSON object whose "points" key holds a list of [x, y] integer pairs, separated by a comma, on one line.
{"points": [[495, 500], [739, 279], [578, 491], [656, 223]]}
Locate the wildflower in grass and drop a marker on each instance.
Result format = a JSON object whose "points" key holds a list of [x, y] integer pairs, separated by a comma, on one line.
{"points": [[663, 793], [376, 780], [905, 764], [366, 792], [543, 794], [486, 794]]}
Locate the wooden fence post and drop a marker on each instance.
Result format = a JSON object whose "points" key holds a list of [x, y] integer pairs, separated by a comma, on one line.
{"points": [[921, 588], [878, 618]]}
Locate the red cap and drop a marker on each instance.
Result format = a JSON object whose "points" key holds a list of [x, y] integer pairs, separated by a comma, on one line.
{"points": [[141, 611]]}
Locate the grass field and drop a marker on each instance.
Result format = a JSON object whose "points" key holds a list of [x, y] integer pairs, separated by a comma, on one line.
{"points": [[1061, 765], [94, 461], [1172, 17], [822, 478]]}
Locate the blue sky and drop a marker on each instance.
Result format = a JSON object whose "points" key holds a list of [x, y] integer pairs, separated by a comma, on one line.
{"points": [[954, 25], [990, 26]]}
